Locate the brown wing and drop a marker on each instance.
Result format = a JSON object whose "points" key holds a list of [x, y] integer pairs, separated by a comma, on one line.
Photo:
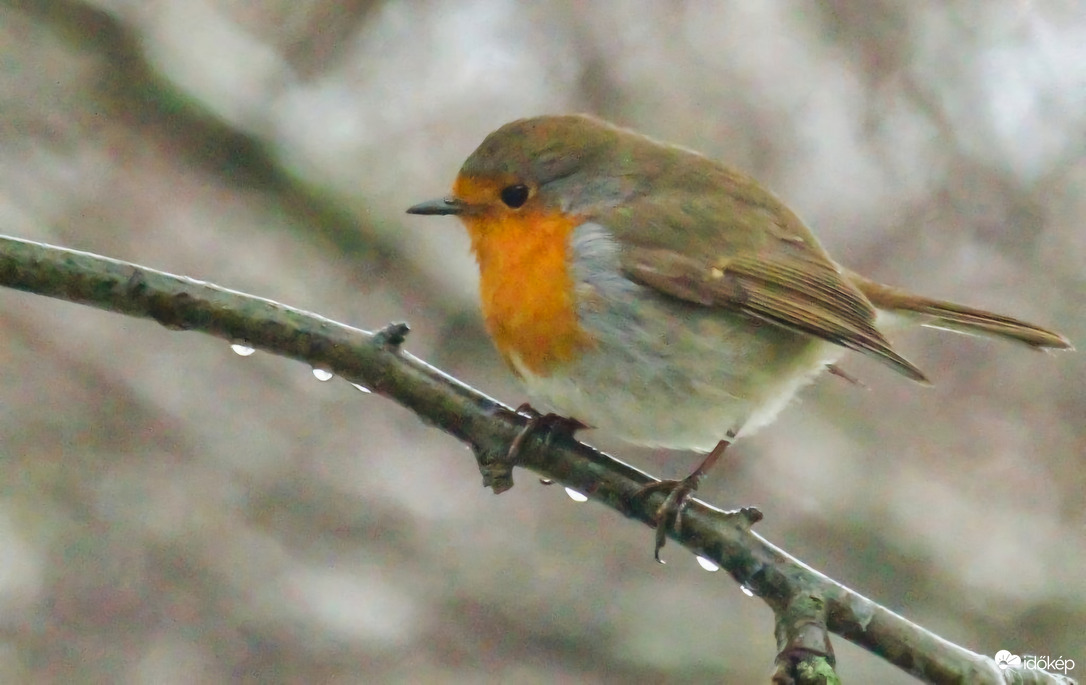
{"points": [[713, 236], [815, 301]]}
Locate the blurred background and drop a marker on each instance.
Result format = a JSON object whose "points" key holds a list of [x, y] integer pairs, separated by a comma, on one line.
{"points": [[171, 512]]}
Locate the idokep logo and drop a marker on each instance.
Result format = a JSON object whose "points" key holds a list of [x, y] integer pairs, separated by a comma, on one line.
{"points": [[1004, 659]]}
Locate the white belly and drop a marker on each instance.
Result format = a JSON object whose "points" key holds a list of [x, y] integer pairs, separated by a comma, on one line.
{"points": [[690, 401], [665, 373]]}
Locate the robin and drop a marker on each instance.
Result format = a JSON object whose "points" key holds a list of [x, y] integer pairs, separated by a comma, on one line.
{"points": [[647, 290]]}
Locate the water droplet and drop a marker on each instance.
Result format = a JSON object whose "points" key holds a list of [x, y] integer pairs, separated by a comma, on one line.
{"points": [[576, 496], [322, 375], [708, 564], [242, 350], [746, 590], [362, 388]]}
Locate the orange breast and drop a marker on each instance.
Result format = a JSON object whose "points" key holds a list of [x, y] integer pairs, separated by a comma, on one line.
{"points": [[526, 287]]}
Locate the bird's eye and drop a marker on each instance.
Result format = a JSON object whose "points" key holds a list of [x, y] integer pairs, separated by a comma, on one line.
{"points": [[514, 196]]}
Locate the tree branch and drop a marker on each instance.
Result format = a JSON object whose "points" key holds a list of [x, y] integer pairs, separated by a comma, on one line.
{"points": [[807, 605]]}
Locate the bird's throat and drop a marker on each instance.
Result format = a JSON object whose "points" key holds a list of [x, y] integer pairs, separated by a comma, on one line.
{"points": [[527, 290]]}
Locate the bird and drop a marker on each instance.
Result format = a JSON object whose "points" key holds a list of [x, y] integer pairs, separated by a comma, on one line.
{"points": [[644, 289]]}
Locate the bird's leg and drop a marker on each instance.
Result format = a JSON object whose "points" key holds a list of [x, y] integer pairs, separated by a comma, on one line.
{"points": [[678, 492], [836, 370], [551, 423]]}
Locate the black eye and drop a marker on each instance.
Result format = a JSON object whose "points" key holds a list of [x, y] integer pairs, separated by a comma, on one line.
{"points": [[514, 196]]}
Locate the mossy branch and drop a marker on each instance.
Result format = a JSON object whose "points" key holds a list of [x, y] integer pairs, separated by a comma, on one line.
{"points": [[807, 605]]}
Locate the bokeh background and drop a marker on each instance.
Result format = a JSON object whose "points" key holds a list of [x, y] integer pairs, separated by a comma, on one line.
{"points": [[173, 513]]}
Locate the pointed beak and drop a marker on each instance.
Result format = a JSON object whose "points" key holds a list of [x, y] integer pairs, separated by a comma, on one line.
{"points": [[445, 205]]}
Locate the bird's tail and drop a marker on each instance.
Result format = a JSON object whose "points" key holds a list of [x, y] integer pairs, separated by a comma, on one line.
{"points": [[955, 317]]}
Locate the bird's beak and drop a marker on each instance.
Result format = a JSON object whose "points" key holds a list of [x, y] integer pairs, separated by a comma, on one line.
{"points": [[445, 205]]}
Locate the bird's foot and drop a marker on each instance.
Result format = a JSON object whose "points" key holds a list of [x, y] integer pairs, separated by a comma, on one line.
{"points": [[552, 424], [670, 512], [677, 494]]}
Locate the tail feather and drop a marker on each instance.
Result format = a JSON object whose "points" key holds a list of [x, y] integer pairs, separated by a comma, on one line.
{"points": [[958, 318], [961, 319]]}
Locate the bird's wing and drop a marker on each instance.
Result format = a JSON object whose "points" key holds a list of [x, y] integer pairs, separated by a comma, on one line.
{"points": [[739, 248]]}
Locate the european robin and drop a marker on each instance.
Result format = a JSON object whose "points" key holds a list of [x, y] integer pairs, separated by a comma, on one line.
{"points": [[647, 290]]}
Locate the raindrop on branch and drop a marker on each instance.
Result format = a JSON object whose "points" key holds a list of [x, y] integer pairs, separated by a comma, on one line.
{"points": [[322, 375], [242, 350], [576, 496], [708, 564]]}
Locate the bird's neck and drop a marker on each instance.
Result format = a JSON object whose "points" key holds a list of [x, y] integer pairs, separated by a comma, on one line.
{"points": [[526, 289]]}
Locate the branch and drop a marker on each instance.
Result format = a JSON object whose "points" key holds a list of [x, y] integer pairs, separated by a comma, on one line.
{"points": [[807, 605]]}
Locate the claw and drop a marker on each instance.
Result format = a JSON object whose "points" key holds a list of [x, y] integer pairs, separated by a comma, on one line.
{"points": [[552, 423], [678, 492], [670, 511]]}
